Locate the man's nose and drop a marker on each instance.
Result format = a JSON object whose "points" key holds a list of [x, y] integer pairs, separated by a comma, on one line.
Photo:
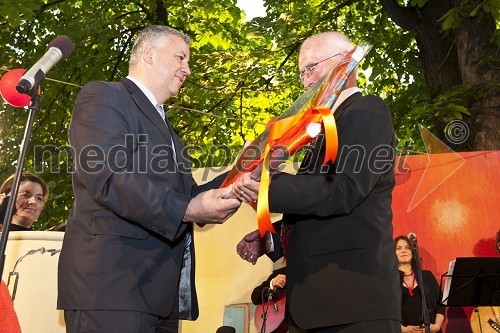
{"points": [[309, 79], [186, 70], [307, 82]]}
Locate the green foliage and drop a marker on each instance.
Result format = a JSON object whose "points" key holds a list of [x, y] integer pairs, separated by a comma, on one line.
{"points": [[419, 3], [243, 73], [488, 6], [453, 18]]}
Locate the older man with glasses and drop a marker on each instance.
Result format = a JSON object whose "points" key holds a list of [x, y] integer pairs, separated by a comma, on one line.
{"points": [[341, 270], [308, 69]]}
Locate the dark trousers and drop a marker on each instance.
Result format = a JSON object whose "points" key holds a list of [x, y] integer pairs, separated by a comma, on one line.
{"points": [[372, 326], [81, 321]]}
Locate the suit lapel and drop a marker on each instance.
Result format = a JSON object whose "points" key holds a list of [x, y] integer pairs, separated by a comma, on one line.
{"points": [[183, 162], [342, 107], [143, 103], [145, 106]]}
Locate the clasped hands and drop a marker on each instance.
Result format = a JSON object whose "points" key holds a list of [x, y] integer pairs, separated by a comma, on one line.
{"points": [[245, 188], [217, 205], [419, 329]]}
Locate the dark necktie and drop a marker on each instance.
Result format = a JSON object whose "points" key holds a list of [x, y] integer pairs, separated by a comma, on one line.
{"points": [[165, 119], [284, 237]]}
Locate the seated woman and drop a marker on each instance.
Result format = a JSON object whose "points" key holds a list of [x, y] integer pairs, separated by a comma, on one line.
{"points": [[411, 306], [31, 198]]}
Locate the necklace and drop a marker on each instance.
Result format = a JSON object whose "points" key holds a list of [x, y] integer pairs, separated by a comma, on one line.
{"points": [[410, 288]]}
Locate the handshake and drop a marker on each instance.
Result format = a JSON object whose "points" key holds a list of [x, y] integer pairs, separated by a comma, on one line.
{"points": [[217, 205]]}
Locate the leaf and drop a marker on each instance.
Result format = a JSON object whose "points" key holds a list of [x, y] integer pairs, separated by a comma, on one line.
{"points": [[492, 7], [476, 10], [421, 3], [451, 19]]}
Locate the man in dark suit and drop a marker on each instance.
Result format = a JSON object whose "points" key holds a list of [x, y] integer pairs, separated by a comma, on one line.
{"points": [[127, 260], [341, 270]]}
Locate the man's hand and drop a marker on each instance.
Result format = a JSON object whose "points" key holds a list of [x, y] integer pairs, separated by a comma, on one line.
{"points": [[252, 246], [213, 206], [245, 188]]}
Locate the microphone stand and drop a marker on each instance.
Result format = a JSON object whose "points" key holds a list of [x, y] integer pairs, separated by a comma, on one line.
{"points": [[265, 308], [34, 107], [425, 311]]}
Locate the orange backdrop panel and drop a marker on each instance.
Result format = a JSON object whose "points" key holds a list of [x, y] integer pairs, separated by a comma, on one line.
{"points": [[450, 201]]}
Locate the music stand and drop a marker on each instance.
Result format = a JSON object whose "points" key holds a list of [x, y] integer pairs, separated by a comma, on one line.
{"points": [[474, 282]]}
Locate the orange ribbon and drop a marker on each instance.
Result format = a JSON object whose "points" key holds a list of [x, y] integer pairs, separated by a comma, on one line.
{"points": [[291, 134]]}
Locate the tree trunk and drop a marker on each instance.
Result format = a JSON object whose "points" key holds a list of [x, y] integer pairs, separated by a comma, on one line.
{"points": [[474, 45], [464, 56]]}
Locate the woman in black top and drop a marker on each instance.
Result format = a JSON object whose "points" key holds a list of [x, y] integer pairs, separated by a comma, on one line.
{"points": [[411, 306]]}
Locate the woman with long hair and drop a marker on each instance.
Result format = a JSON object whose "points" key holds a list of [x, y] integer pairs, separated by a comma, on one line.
{"points": [[411, 297]]}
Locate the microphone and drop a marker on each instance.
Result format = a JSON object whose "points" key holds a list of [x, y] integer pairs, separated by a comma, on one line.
{"points": [[413, 238], [58, 49]]}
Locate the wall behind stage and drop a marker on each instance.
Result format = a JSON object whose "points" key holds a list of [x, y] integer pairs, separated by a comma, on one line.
{"points": [[450, 201]]}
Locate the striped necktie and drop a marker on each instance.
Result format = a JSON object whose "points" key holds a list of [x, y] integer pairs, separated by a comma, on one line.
{"points": [[160, 109]]}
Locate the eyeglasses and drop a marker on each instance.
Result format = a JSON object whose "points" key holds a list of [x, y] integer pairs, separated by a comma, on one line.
{"points": [[306, 72]]}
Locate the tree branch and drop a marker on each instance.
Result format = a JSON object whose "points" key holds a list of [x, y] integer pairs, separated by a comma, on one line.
{"points": [[333, 12], [282, 64], [149, 17], [40, 11], [405, 17], [161, 13], [121, 55]]}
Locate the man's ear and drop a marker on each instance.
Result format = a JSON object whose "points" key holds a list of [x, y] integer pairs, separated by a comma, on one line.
{"points": [[147, 54]]}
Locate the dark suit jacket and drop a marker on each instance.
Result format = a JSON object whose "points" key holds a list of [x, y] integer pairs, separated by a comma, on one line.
{"points": [[341, 266], [124, 241]]}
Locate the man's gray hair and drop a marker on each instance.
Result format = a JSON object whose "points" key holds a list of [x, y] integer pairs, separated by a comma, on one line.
{"points": [[332, 38], [152, 35]]}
